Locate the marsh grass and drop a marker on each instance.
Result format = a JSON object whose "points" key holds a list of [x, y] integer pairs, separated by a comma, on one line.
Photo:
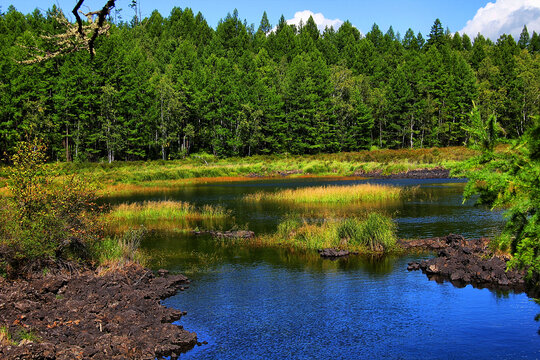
{"points": [[119, 251], [374, 234], [164, 215], [331, 194], [161, 186]]}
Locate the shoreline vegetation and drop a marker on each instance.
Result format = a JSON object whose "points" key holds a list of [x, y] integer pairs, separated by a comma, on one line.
{"points": [[125, 178]]}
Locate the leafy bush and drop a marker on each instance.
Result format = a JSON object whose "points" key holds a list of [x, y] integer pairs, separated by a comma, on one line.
{"points": [[511, 180], [44, 220]]}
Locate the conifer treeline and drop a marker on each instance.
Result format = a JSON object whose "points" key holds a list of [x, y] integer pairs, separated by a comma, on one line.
{"points": [[166, 87]]}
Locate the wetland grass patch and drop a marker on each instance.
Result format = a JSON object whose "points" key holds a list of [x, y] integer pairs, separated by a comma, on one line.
{"points": [[164, 215], [377, 233], [331, 194]]}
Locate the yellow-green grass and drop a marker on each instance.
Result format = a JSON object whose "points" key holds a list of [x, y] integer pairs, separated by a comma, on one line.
{"points": [[374, 234], [123, 178], [331, 194], [164, 215]]}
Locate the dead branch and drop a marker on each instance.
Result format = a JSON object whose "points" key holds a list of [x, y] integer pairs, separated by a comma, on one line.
{"points": [[75, 37]]}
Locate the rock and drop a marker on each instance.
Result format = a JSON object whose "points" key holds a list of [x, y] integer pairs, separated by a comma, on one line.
{"points": [[163, 272], [434, 173], [333, 253], [458, 275], [468, 261], [241, 234]]}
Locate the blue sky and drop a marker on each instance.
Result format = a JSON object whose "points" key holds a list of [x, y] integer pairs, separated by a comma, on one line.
{"points": [[489, 18]]}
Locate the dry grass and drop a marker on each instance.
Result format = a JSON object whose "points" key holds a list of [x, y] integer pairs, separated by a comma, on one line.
{"points": [[331, 194]]}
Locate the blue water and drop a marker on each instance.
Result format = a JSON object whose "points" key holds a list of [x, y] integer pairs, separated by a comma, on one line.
{"points": [[261, 311], [260, 303]]}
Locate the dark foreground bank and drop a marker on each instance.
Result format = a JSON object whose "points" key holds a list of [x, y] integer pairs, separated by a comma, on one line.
{"points": [[117, 315], [463, 262]]}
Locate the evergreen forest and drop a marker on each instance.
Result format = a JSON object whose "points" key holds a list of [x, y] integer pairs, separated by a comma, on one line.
{"points": [[165, 87]]}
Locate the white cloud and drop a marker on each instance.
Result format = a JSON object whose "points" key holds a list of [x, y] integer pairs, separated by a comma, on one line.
{"points": [[504, 17], [319, 19]]}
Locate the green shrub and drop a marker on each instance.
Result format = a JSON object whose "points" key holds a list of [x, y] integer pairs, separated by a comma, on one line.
{"points": [[44, 220]]}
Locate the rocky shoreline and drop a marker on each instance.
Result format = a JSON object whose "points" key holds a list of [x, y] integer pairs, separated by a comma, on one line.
{"points": [[85, 315], [465, 262]]}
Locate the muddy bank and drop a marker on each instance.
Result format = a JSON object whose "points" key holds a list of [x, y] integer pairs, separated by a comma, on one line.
{"points": [[86, 316], [434, 173], [465, 262]]}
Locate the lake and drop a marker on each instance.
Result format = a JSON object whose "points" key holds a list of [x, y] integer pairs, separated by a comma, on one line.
{"points": [[280, 303]]}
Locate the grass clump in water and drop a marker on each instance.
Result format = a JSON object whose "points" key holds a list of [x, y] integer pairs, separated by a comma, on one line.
{"points": [[165, 215], [331, 194], [374, 234]]}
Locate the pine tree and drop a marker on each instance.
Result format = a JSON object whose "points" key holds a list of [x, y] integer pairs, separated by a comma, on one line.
{"points": [[436, 35], [524, 38], [264, 26]]}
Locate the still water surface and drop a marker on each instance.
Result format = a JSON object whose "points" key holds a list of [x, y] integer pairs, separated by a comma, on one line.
{"points": [[276, 303]]}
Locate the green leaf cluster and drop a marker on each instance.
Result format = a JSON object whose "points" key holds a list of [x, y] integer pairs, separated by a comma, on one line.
{"points": [[510, 180]]}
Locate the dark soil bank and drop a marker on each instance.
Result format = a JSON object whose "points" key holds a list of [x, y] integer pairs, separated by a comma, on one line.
{"points": [[86, 316], [466, 262]]}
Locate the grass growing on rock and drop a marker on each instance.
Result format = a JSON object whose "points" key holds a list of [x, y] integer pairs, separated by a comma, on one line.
{"points": [[331, 194], [163, 215], [374, 234]]}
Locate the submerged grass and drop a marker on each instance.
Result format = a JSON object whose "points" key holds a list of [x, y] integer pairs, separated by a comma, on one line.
{"points": [[163, 215], [374, 234], [331, 194]]}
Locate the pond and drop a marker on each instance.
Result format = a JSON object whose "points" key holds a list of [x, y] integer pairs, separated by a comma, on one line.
{"points": [[280, 303]]}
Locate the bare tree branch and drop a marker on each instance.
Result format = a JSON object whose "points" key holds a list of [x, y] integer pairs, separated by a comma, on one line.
{"points": [[101, 20], [75, 12], [75, 37]]}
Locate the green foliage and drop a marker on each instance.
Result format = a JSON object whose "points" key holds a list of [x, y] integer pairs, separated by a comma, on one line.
{"points": [[167, 87], [377, 232], [483, 133], [121, 250], [511, 180], [44, 220]]}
